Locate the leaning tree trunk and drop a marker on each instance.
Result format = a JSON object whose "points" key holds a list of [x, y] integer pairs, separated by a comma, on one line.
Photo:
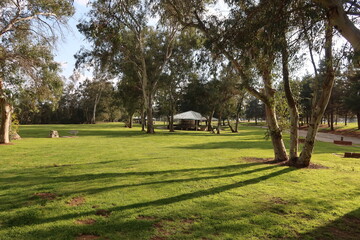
{"points": [[294, 113], [319, 103], [231, 128], [274, 129], [275, 134], [6, 110]]}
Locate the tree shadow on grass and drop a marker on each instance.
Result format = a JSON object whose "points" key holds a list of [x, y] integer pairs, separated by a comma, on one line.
{"points": [[42, 180], [345, 227], [174, 199], [183, 180], [240, 144]]}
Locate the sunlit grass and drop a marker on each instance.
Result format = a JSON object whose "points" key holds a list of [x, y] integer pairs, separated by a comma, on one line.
{"points": [[182, 185]]}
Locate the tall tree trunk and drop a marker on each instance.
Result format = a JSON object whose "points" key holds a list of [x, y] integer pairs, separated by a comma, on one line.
{"points": [[210, 121], [294, 113], [171, 122], [345, 119], [131, 120], [336, 118], [275, 131], [332, 119], [149, 110], [6, 110], [358, 119], [96, 102], [218, 129], [319, 103], [93, 119], [143, 120], [237, 122]]}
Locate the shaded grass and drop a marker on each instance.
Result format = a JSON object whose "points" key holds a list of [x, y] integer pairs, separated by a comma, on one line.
{"points": [[188, 185]]}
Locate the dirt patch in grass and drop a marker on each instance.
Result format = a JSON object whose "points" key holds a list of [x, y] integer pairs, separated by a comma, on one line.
{"points": [[149, 218], [278, 200], [161, 229], [57, 165], [88, 221], [46, 195], [188, 220], [165, 228], [316, 166], [76, 201], [158, 238], [87, 237], [103, 212]]}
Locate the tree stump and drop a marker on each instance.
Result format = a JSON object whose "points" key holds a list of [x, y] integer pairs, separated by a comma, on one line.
{"points": [[53, 134]]}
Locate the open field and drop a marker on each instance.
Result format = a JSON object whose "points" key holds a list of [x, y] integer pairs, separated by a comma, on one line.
{"points": [[117, 183]]}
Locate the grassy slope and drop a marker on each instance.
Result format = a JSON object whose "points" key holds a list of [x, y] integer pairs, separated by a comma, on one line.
{"points": [[183, 185]]}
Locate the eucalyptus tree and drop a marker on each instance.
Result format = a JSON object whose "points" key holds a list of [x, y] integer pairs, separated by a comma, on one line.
{"points": [[28, 30], [130, 95], [245, 37], [343, 16], [177, 74], [121, 32]]}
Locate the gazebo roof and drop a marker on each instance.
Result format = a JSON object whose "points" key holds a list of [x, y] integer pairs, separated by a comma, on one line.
{"points": [[189, 115]]}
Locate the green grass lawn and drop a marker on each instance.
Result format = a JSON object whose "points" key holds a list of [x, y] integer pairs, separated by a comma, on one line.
{"points": [[351, 129], [118, 183]]}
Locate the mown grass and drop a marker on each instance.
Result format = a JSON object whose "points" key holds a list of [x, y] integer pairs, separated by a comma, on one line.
{"points": [[182, 185], [351, 129]]}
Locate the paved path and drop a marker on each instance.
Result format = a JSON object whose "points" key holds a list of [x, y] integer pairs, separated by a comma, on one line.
{"points": [[328, 137]]}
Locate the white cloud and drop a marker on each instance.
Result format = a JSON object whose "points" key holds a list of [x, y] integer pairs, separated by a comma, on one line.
{"points": [[82, 2]]}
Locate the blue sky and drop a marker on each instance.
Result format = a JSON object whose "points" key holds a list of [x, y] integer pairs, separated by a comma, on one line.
{"points": [[73, 40]]}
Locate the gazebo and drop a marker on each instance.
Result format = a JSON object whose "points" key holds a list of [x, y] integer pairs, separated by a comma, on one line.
{"points": [[189, 120]]}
